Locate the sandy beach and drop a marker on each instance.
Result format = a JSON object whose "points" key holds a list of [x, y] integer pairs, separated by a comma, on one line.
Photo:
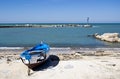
{"points": [[77, 64]]}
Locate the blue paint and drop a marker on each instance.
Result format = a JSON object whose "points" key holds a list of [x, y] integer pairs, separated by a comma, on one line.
{"points": [[43, 47]]}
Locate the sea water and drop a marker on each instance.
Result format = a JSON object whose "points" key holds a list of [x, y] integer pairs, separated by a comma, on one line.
{"points": [[58, 36]]}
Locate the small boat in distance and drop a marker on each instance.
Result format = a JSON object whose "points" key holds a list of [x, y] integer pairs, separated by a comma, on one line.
{"points": [[87, 25], [35, 56]]}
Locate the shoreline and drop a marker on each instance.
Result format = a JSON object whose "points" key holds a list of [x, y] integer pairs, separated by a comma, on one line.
{"points": [[60, 50], [16, 51], [20, 48]]}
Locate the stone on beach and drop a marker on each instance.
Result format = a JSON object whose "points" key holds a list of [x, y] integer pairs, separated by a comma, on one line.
{"points": [[109, 37]]}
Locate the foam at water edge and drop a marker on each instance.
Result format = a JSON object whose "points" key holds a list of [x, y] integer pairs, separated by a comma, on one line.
{"points": [[11, 47]]}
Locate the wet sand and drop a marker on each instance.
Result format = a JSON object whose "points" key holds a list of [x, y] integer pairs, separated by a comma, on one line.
{"points": [[64, 64]]}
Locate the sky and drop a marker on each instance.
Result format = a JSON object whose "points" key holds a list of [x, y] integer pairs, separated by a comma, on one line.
{"points": [[59, 11]]}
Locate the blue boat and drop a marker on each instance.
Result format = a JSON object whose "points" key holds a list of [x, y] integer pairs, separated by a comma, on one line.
{"points": [[36, 55]]}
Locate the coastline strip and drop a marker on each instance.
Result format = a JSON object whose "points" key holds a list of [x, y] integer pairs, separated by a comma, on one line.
{"points": [[58, 50]]}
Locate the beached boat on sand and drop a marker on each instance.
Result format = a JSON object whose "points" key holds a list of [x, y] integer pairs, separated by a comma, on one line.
{"points": [[35, 56]]}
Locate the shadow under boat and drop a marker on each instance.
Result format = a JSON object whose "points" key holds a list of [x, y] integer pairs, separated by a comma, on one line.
{"points": [[51, 62]]}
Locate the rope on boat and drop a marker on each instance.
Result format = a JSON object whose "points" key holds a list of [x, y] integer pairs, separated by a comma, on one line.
{"points": [[29, 69]]}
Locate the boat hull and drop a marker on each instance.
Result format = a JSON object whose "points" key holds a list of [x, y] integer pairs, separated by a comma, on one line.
{"points": [[36, 55], [33, 65]]}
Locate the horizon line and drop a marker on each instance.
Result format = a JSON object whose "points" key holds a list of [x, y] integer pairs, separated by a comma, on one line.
{"points": [[53, 22]]}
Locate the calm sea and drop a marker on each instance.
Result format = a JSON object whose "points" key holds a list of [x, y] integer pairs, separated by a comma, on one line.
{"points": [[58, 37]]}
